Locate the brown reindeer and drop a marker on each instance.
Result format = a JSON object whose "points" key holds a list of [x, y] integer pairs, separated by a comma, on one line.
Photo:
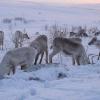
{"points": [[40, 43], [69, 47]]}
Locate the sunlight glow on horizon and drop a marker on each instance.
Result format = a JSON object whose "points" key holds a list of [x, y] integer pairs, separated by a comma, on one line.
{"points": [[56, 1], [66, 1]]}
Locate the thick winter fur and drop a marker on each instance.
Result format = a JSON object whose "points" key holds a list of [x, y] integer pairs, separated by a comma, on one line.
{"points": [[76, 40], [40, 43], [21, 56], [69, 47]]}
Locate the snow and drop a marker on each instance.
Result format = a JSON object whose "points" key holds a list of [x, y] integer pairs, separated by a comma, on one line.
{"points": [[59, 81], [80, 82]]}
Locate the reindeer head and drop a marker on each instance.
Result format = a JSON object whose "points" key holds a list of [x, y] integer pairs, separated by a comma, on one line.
{"points": [[25, 35], [92, 41]]}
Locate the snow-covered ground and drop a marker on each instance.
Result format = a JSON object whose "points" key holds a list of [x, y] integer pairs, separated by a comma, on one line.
{"points": [[81, 82], [54, 81]]}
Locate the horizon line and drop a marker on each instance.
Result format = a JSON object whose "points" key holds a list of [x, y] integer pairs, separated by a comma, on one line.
{"points": [[22, 1]]}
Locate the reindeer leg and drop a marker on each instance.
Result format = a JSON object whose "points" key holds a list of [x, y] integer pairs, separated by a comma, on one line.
{"points": [[16, 45], [9, 71], [41, 57], [20, 44], [77, 60], [23, 67], [13, 69], [2, 46], [53, 54], [47, 56], [73, 60], [37, 56], [99, 56]]}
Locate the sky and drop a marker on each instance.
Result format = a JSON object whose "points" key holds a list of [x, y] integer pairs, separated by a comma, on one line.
{"points": [[60, 1], [65, 1]]}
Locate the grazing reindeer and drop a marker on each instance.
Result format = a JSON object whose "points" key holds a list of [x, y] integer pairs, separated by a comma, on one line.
{"points": [[19, 38], [69, 47], [1, 39], [95, 42], [40, 43], [21, 56], [80, 34]]}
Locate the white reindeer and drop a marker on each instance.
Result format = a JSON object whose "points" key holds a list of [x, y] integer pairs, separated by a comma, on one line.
{"points": [[21, 56]]}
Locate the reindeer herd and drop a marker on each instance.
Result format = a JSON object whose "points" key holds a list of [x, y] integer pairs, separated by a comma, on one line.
{"points": [[26, 56]]}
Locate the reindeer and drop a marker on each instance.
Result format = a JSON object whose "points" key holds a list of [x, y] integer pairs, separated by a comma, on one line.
{"points": [[72, 34], [25, 36], [76, 40], [97, 33], [1, 39], [21, 56], [79, 34], [95, 42], [40, 43], [82, 32], [19, 38], [69, 47]]}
